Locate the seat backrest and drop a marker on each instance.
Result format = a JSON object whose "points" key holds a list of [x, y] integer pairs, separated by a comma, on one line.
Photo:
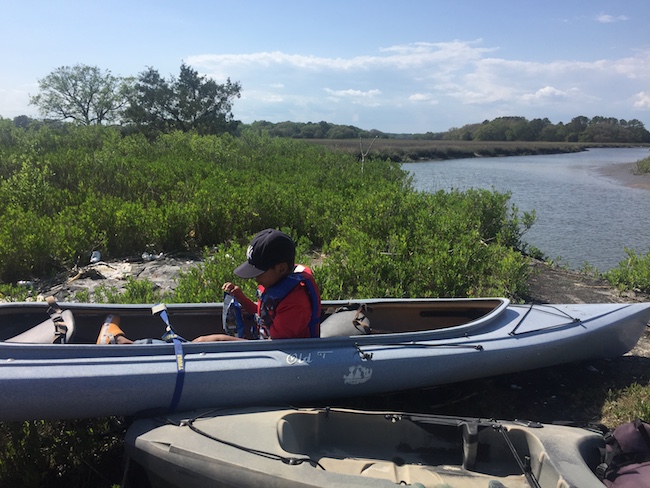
{"points": [[43, 333], [346, 322]]}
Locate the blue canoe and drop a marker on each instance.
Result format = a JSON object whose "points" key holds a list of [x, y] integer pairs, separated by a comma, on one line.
{"points": [[412, 343]]}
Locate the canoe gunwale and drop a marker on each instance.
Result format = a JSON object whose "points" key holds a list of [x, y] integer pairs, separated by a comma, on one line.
{"points": [[486, 310]]}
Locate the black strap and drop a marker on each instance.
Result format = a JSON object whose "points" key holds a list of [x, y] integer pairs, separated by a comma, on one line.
{"points": [[56, 314]]}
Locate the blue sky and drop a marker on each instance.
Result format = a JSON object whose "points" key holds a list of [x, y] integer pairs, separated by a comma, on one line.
{"points": [[408, 66]]}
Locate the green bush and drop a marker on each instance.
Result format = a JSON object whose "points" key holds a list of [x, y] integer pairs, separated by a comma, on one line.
{"points": [[425, 245], [642, 166], [632, 273], [61, 454]]}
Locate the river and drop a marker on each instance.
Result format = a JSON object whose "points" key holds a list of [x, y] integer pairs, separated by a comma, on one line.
{"points": [[583, 217]]}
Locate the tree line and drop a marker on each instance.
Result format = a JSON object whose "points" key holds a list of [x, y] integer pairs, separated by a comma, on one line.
{"points": [[152, 104], [505, 129], [579, 129]]}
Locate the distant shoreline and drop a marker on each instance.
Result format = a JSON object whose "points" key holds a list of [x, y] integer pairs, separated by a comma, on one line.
{"points": [[425, 150]]}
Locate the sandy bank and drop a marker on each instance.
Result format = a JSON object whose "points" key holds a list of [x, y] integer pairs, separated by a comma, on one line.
{"points": [[623, 173]]}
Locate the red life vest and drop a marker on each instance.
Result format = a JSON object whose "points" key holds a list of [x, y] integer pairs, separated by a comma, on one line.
{"points": [[271, 297]]}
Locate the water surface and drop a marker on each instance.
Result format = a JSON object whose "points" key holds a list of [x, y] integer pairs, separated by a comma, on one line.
{"points": [[582, 216]]}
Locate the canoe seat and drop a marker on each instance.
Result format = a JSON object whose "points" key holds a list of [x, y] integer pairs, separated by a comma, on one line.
{"points": [[59, 328], [43, 333], [346, 321]]}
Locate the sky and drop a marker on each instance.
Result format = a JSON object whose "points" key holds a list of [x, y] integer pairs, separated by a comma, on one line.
{"points": [[409, 66]]}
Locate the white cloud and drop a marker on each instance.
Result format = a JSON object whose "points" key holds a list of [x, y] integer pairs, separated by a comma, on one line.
{"points": [[545, 94], [360, 97], [353, 93], [642, 100], [464, 79], [608, 19], [423, 97], [404, 56]]}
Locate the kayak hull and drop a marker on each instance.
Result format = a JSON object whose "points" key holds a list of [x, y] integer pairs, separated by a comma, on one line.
{"points": [[337, 447], [82, 379]]}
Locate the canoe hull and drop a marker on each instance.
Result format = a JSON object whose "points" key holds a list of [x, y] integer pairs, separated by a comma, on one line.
{"points": [[44, 381]]}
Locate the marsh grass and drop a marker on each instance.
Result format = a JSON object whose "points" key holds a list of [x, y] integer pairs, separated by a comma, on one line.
{"points": [[403, 150]]}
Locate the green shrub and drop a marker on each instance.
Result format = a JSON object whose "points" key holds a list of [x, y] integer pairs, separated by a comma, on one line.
{"points": [[413, 244], [642, 166], [61, 454], [75, 191], [632, 273]]}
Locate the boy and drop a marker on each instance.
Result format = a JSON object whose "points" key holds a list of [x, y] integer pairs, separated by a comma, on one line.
{"points": [[288, 303]]}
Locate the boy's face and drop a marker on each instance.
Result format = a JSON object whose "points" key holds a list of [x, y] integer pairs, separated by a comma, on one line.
{"points": [[272, 275]]}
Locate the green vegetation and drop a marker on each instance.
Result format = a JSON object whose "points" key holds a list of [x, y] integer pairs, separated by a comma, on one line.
{"points": [[632, 273], [627, 404], [580, 129], [68, 192], [155, 105], [642, 166], [72, 453], [83, 94], [148, 103], [405, 150]]}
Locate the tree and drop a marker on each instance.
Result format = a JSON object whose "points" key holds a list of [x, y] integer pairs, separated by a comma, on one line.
{"points": [[191, 102], [22, 121], [85, 94]]}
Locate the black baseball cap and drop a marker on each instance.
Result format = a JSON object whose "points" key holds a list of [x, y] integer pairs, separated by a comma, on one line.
{"points": [[267, 249]]}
